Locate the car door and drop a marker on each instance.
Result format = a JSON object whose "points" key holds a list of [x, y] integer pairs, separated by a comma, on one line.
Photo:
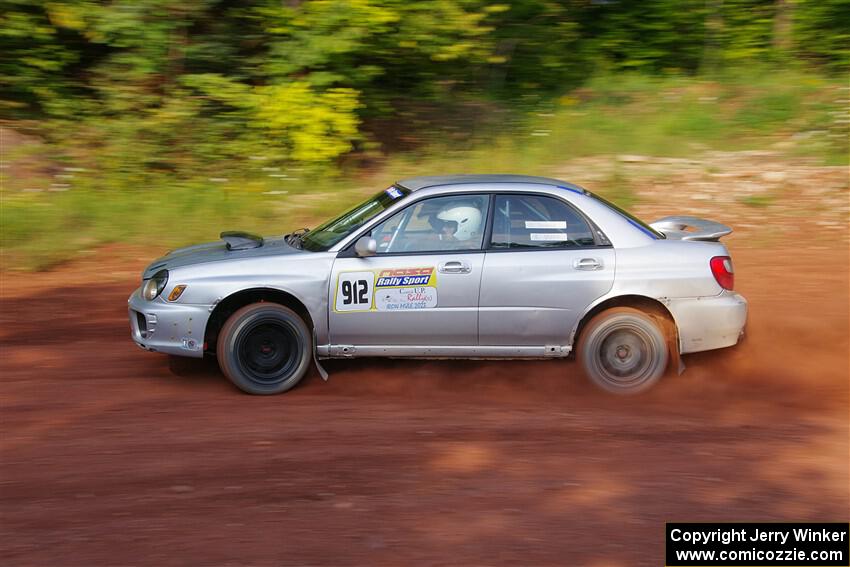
{"points": [[543, 267], [421, 287]]}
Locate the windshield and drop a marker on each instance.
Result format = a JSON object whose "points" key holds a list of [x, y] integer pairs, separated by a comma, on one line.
{"points": [[636, 222], [326, 235]]}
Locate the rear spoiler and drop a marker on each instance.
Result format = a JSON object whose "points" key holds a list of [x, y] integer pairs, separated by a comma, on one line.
{"points": [[690, 228]]}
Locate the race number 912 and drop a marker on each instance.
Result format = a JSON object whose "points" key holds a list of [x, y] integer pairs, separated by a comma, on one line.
{"points": [[354, 291]]}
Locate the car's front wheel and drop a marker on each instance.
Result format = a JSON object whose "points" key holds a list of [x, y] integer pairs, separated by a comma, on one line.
{"points": [[623, 350], [264, 348]]}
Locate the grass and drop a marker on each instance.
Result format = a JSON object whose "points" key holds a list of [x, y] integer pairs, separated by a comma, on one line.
{"points": [[632, 114], [758, 201], [42, 229]]}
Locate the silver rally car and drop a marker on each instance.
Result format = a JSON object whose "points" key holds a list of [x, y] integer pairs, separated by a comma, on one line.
{"points": [[467, 266]]}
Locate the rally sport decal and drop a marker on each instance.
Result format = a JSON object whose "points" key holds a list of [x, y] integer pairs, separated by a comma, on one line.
{"points": [[397, 289]]}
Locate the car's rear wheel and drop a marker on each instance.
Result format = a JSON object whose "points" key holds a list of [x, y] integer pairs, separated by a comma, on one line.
{"points": [[623, 350], [264, 348]]}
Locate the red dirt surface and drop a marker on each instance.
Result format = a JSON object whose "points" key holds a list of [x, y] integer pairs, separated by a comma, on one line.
{"points": [[112, 456]]}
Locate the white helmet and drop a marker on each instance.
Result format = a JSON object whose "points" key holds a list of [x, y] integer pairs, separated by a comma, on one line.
{"points": [[467, 218]]}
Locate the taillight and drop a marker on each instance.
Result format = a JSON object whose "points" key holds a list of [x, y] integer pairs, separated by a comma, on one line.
{"points": [[721, 267]]}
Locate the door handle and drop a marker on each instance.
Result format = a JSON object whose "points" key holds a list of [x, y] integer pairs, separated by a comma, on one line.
{"points": [[454, 267], [589, 264]]}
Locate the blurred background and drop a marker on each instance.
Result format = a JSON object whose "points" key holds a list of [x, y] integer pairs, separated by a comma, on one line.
{"points": [[130, 127], [121, 118]]}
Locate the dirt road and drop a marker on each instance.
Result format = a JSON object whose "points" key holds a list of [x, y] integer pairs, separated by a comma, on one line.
{"points": [[112, 457], [109, 456]]}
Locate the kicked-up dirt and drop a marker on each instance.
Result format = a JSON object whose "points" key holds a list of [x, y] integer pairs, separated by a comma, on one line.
{"points": [[115, 456]]}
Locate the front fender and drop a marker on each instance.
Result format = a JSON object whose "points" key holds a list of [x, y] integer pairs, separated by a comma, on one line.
{"points": [[304, 277]]}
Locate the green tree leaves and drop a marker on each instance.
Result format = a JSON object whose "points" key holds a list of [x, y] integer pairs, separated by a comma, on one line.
{"points": [[311, 126], [169, 84]]}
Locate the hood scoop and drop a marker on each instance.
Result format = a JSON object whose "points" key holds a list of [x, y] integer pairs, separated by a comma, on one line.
{"points": [[237, 240]]}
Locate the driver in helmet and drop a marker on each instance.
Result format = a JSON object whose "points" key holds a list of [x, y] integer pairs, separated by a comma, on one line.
{"points": [[457, 224], [448, 231]]}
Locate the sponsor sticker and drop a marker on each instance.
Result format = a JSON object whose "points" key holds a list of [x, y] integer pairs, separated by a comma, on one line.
{"points": [[406, 298], [393, 289], [549, 236], [562, 225], [405, 277]]}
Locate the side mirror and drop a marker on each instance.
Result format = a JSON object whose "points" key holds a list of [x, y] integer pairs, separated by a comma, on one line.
{"points": [[365, 246]]}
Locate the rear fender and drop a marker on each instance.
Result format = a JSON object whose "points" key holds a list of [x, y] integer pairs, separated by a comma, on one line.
{"points": [[655, 308]]}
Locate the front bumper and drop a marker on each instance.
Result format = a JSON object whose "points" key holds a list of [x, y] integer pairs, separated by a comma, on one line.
{"points": [[706, 323], [171, 328]]}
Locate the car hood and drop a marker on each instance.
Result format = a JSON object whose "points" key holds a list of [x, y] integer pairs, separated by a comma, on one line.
{"points": [[217, 252]]}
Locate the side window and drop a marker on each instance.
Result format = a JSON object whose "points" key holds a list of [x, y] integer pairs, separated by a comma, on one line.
{"points": [[534, 221], [453, 222]]}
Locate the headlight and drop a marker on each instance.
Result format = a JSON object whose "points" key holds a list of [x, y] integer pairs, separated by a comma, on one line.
{"points": [[154, 286]]}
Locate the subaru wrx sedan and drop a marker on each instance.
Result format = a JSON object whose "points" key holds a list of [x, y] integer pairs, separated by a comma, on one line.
{"points": [[466, 266]]}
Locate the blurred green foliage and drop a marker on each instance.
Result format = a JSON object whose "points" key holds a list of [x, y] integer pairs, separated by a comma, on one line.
{"points": [[121, 113], [48, 218], [147, 86]]}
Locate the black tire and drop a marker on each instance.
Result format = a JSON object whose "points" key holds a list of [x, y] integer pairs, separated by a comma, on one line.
{"points": [[623, 350], [264, 348]]}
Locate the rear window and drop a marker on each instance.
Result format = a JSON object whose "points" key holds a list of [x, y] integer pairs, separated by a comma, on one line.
{"points": [[534, 221]]}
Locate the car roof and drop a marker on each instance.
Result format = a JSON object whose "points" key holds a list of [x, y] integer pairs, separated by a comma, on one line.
{"points": [[416, 183]]}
